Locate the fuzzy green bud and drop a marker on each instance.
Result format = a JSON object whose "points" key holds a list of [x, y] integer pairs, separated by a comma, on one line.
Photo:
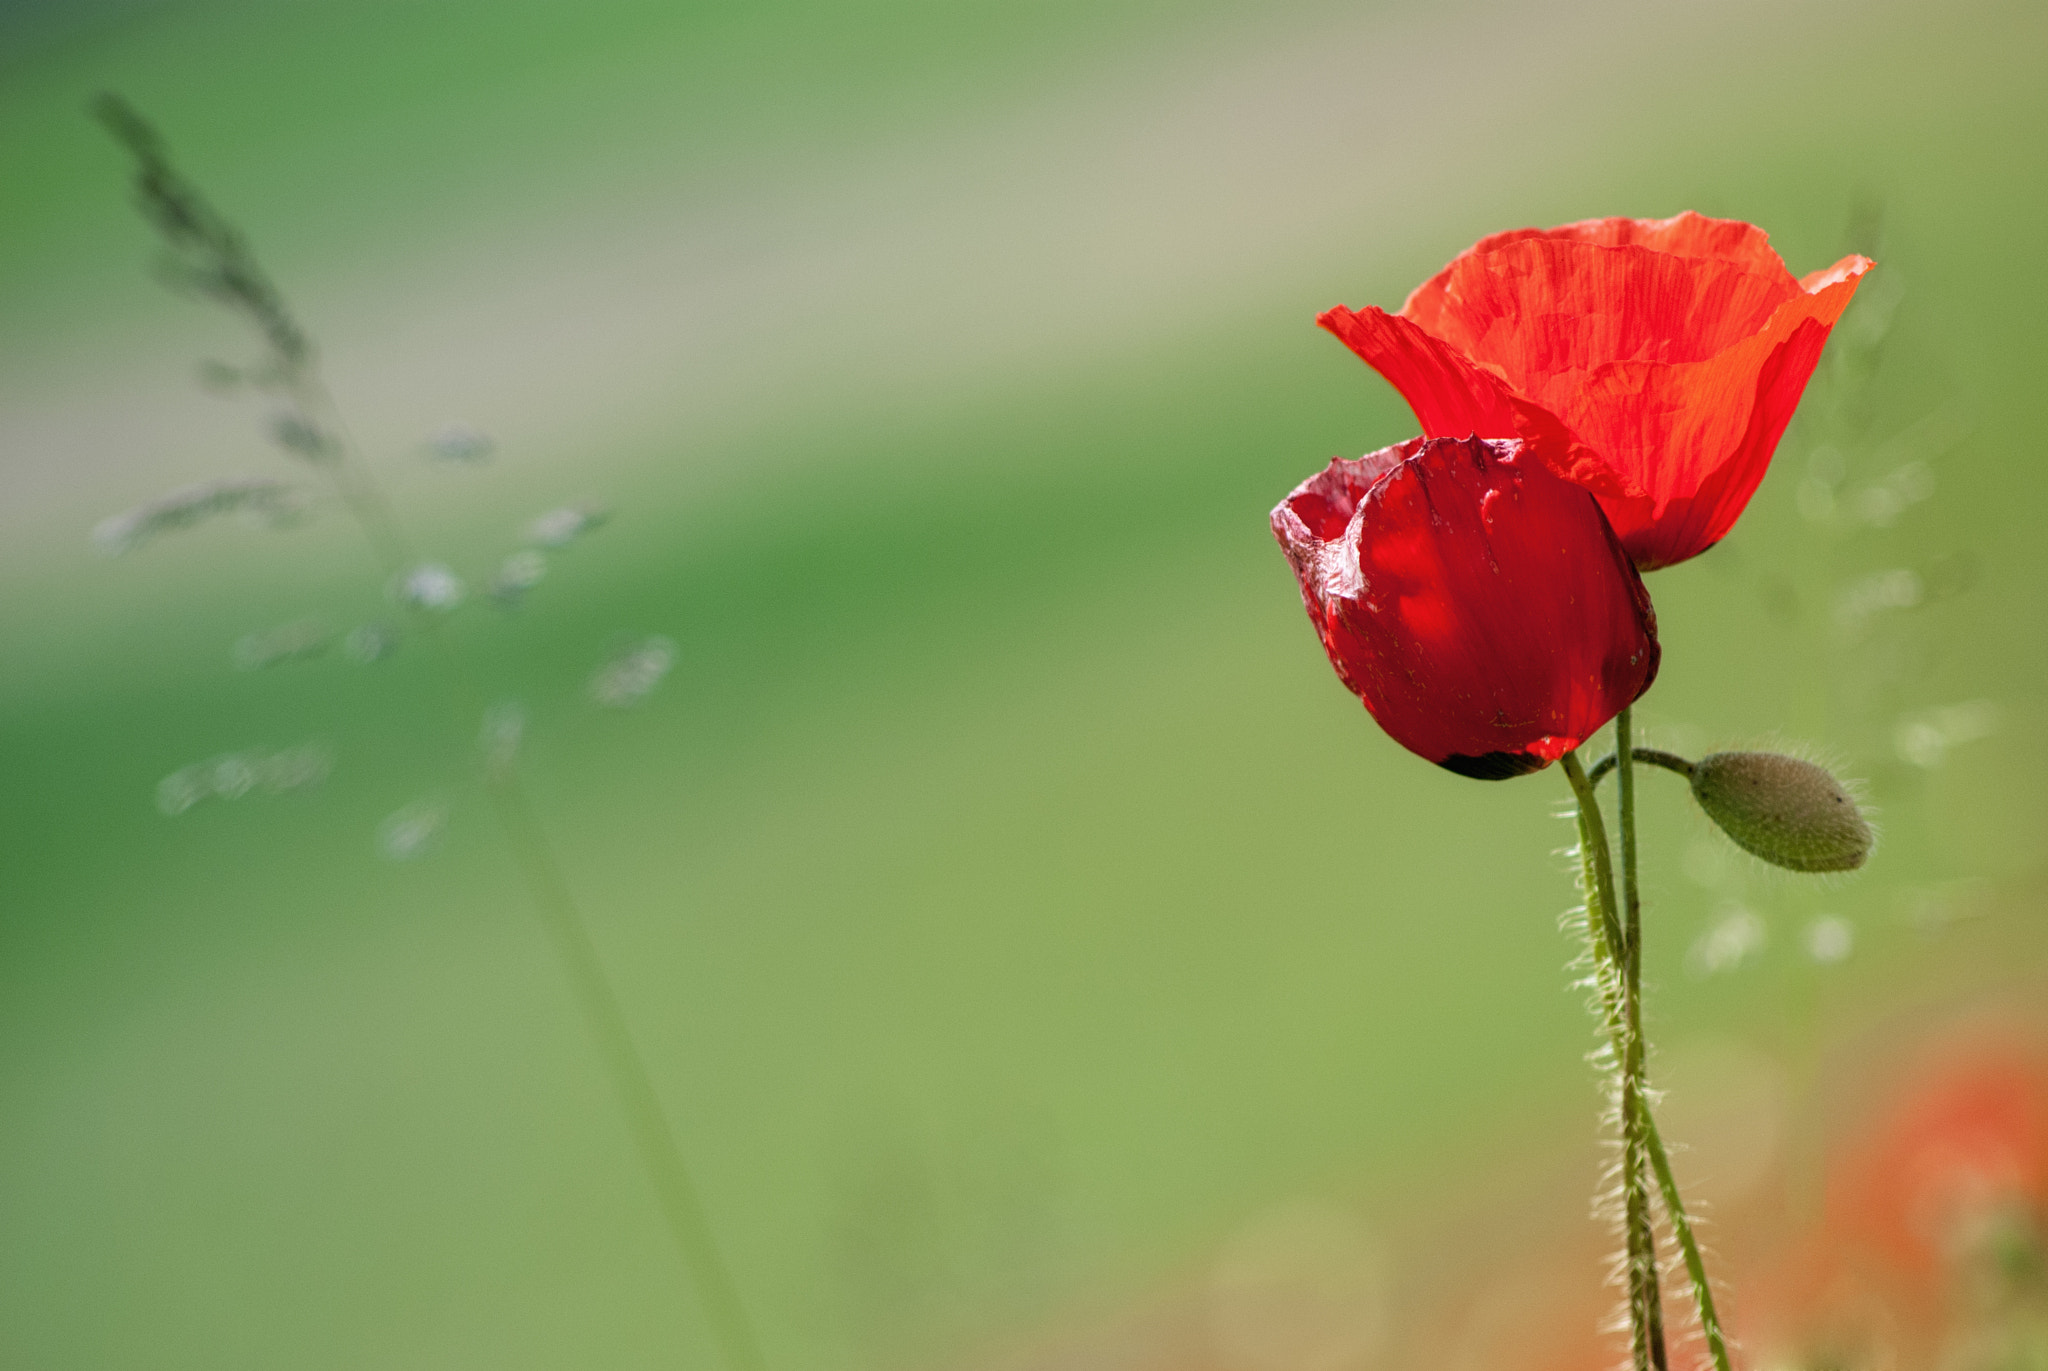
{"points": [[1790, 813]]}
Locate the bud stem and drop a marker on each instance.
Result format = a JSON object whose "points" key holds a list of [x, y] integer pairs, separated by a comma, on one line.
{"points": [[1645, 756]]}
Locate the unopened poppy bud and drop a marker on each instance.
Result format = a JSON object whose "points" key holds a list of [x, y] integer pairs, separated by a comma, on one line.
{"points": [[1789, 812]]}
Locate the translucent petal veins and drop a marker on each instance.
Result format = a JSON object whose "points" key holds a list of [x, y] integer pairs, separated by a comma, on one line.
{"points": [[1654, 362]]}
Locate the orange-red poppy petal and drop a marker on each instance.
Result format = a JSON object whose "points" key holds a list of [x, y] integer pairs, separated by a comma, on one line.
{"points": [[1654, 362], [1691, 521], [1542, 309], [1453, 398], [1683, 235], [1696, 438]]}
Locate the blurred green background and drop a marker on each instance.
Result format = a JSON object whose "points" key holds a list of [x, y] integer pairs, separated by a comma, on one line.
{"points": [[1009, 903]]}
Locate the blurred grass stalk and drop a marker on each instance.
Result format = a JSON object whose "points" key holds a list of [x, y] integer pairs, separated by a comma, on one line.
{"points": [[208, 256]]}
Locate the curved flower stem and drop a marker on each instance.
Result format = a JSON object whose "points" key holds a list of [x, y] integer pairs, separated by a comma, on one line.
{"points": [[1610, 959], [1642, 1235], [1645, 756], [1598, 871], [1611, 949], [1695, 1266]]}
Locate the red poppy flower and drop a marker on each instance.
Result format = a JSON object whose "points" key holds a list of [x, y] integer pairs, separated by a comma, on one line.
{"points": [[1480, 606], [1658, 360]]}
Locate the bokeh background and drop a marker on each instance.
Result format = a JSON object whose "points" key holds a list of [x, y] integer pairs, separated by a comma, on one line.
{"points": [[1033, 945]]}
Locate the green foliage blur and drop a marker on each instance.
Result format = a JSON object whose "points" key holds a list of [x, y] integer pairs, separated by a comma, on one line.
{"points": [[1007, 899]]}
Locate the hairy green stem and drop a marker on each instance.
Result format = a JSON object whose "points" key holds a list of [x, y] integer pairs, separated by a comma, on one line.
{"points": [[1608, 935], [1695, 1265], [1596, 866], [1610, 956], [1642, 1235]]}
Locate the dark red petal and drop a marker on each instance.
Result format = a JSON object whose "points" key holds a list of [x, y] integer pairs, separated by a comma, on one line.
{"points": [[1324, 503], [1479, 606], [1311, 523]]}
